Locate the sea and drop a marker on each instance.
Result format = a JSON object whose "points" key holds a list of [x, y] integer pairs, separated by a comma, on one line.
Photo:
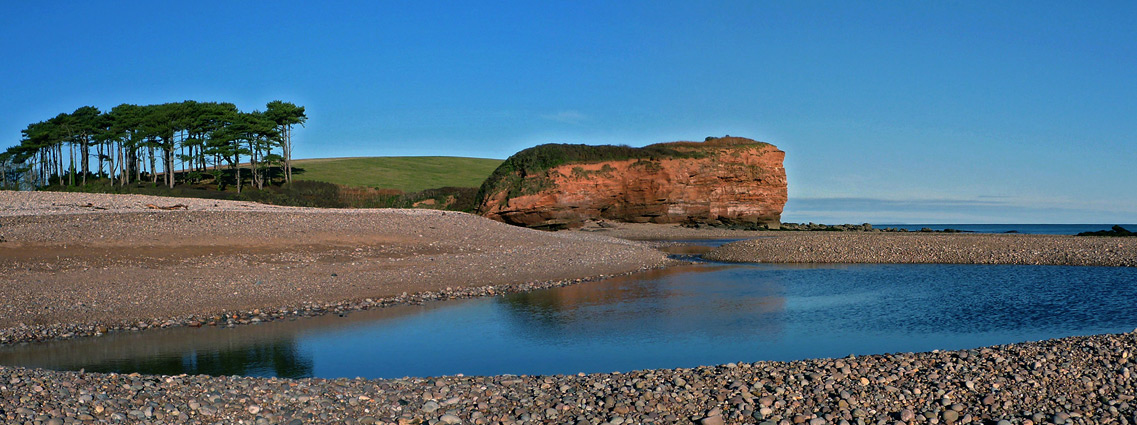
{"points": [[1035, 229]]}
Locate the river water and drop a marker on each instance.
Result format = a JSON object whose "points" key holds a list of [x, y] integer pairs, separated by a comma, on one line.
{"points": [[684, 316]]}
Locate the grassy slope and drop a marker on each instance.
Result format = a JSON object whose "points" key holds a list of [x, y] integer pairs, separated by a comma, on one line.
{"points": [[406, 173]]}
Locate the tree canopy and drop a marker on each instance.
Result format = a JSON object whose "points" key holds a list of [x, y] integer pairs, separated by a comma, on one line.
{"points": [[174, 142]]}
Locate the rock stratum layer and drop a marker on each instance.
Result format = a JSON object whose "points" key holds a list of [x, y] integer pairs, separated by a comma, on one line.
{"points": [[724, 180]]}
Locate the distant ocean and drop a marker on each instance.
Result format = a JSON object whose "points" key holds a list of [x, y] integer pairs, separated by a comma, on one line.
{"points": [[1037, 229]]}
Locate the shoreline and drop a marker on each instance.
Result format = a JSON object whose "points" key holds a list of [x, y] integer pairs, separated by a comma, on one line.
{"points": [[1073, 380], [914, 248], [81, 273], [60, 331], [964, 386]]}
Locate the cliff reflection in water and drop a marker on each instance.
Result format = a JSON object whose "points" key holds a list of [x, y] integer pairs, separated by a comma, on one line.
{"points": [[699, 301]]}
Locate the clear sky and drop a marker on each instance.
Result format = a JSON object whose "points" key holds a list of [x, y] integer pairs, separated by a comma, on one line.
{"points": [[951, 112]]}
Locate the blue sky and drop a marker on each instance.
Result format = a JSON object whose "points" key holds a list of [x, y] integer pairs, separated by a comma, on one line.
{"points": [[948, 112]]}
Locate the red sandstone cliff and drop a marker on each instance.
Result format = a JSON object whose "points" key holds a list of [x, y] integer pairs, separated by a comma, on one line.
{"points": [[728, 179]]}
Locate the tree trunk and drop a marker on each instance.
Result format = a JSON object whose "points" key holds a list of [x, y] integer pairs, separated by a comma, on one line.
{"points": [[288, 153], [121, 158], [71, 169], [61, 170], [99, 148], [85, 150], [59, 160], [153, 166], [111, 158], [170, 165], [136, 157], [99, 158], [253, 163]]}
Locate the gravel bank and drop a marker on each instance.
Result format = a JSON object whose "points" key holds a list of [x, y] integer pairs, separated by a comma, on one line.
{"points": [[930, 248], [69, 268], [1077, 380], [54, 203], [77, 271], [651, 232]]}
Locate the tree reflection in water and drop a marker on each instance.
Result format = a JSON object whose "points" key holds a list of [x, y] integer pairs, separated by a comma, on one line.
{"points": [[276, 358]]}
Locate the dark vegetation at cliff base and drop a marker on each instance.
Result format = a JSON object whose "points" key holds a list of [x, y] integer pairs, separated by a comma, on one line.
{"points": [[300, 193], [1115, 231]]}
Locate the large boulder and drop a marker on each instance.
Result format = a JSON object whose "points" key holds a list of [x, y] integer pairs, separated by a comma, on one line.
{"points": [[729, 180]]}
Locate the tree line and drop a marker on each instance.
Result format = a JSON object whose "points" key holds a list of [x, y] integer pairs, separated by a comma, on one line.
{"points": [[132, 143]]}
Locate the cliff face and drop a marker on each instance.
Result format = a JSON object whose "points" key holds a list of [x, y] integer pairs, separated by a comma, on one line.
{"points": [[728, 179]]}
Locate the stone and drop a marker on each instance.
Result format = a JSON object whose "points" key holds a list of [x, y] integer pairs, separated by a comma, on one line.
{"points": [[430, 406], [907, 415], [729, 180], [450, 419], [950, 416], [766, 401], [712, 420]]}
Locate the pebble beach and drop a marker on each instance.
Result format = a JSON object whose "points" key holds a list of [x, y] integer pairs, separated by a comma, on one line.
{"points": [[911, 248], [82, 265]]}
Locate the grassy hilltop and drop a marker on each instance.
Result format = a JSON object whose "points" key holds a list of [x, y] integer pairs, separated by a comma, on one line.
{"points": [[365, 182], [405, 173]]}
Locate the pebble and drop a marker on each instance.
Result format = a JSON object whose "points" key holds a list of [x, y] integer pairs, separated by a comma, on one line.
{"points": [[906, 248], [800, 392], [907, 415], [712, 420], [950, 416], [469, 257], [1081, 380]]}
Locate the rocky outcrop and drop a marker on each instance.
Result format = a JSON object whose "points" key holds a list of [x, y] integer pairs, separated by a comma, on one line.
{"points": [[720, 180]]}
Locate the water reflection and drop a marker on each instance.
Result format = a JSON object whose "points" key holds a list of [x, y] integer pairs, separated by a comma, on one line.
{"points": [[269, 349], [277, 358], [212, 352], [678, 317], [704, 300]]}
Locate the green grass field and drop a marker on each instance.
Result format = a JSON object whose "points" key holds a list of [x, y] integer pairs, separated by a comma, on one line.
{"points": [[406, 173]]}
